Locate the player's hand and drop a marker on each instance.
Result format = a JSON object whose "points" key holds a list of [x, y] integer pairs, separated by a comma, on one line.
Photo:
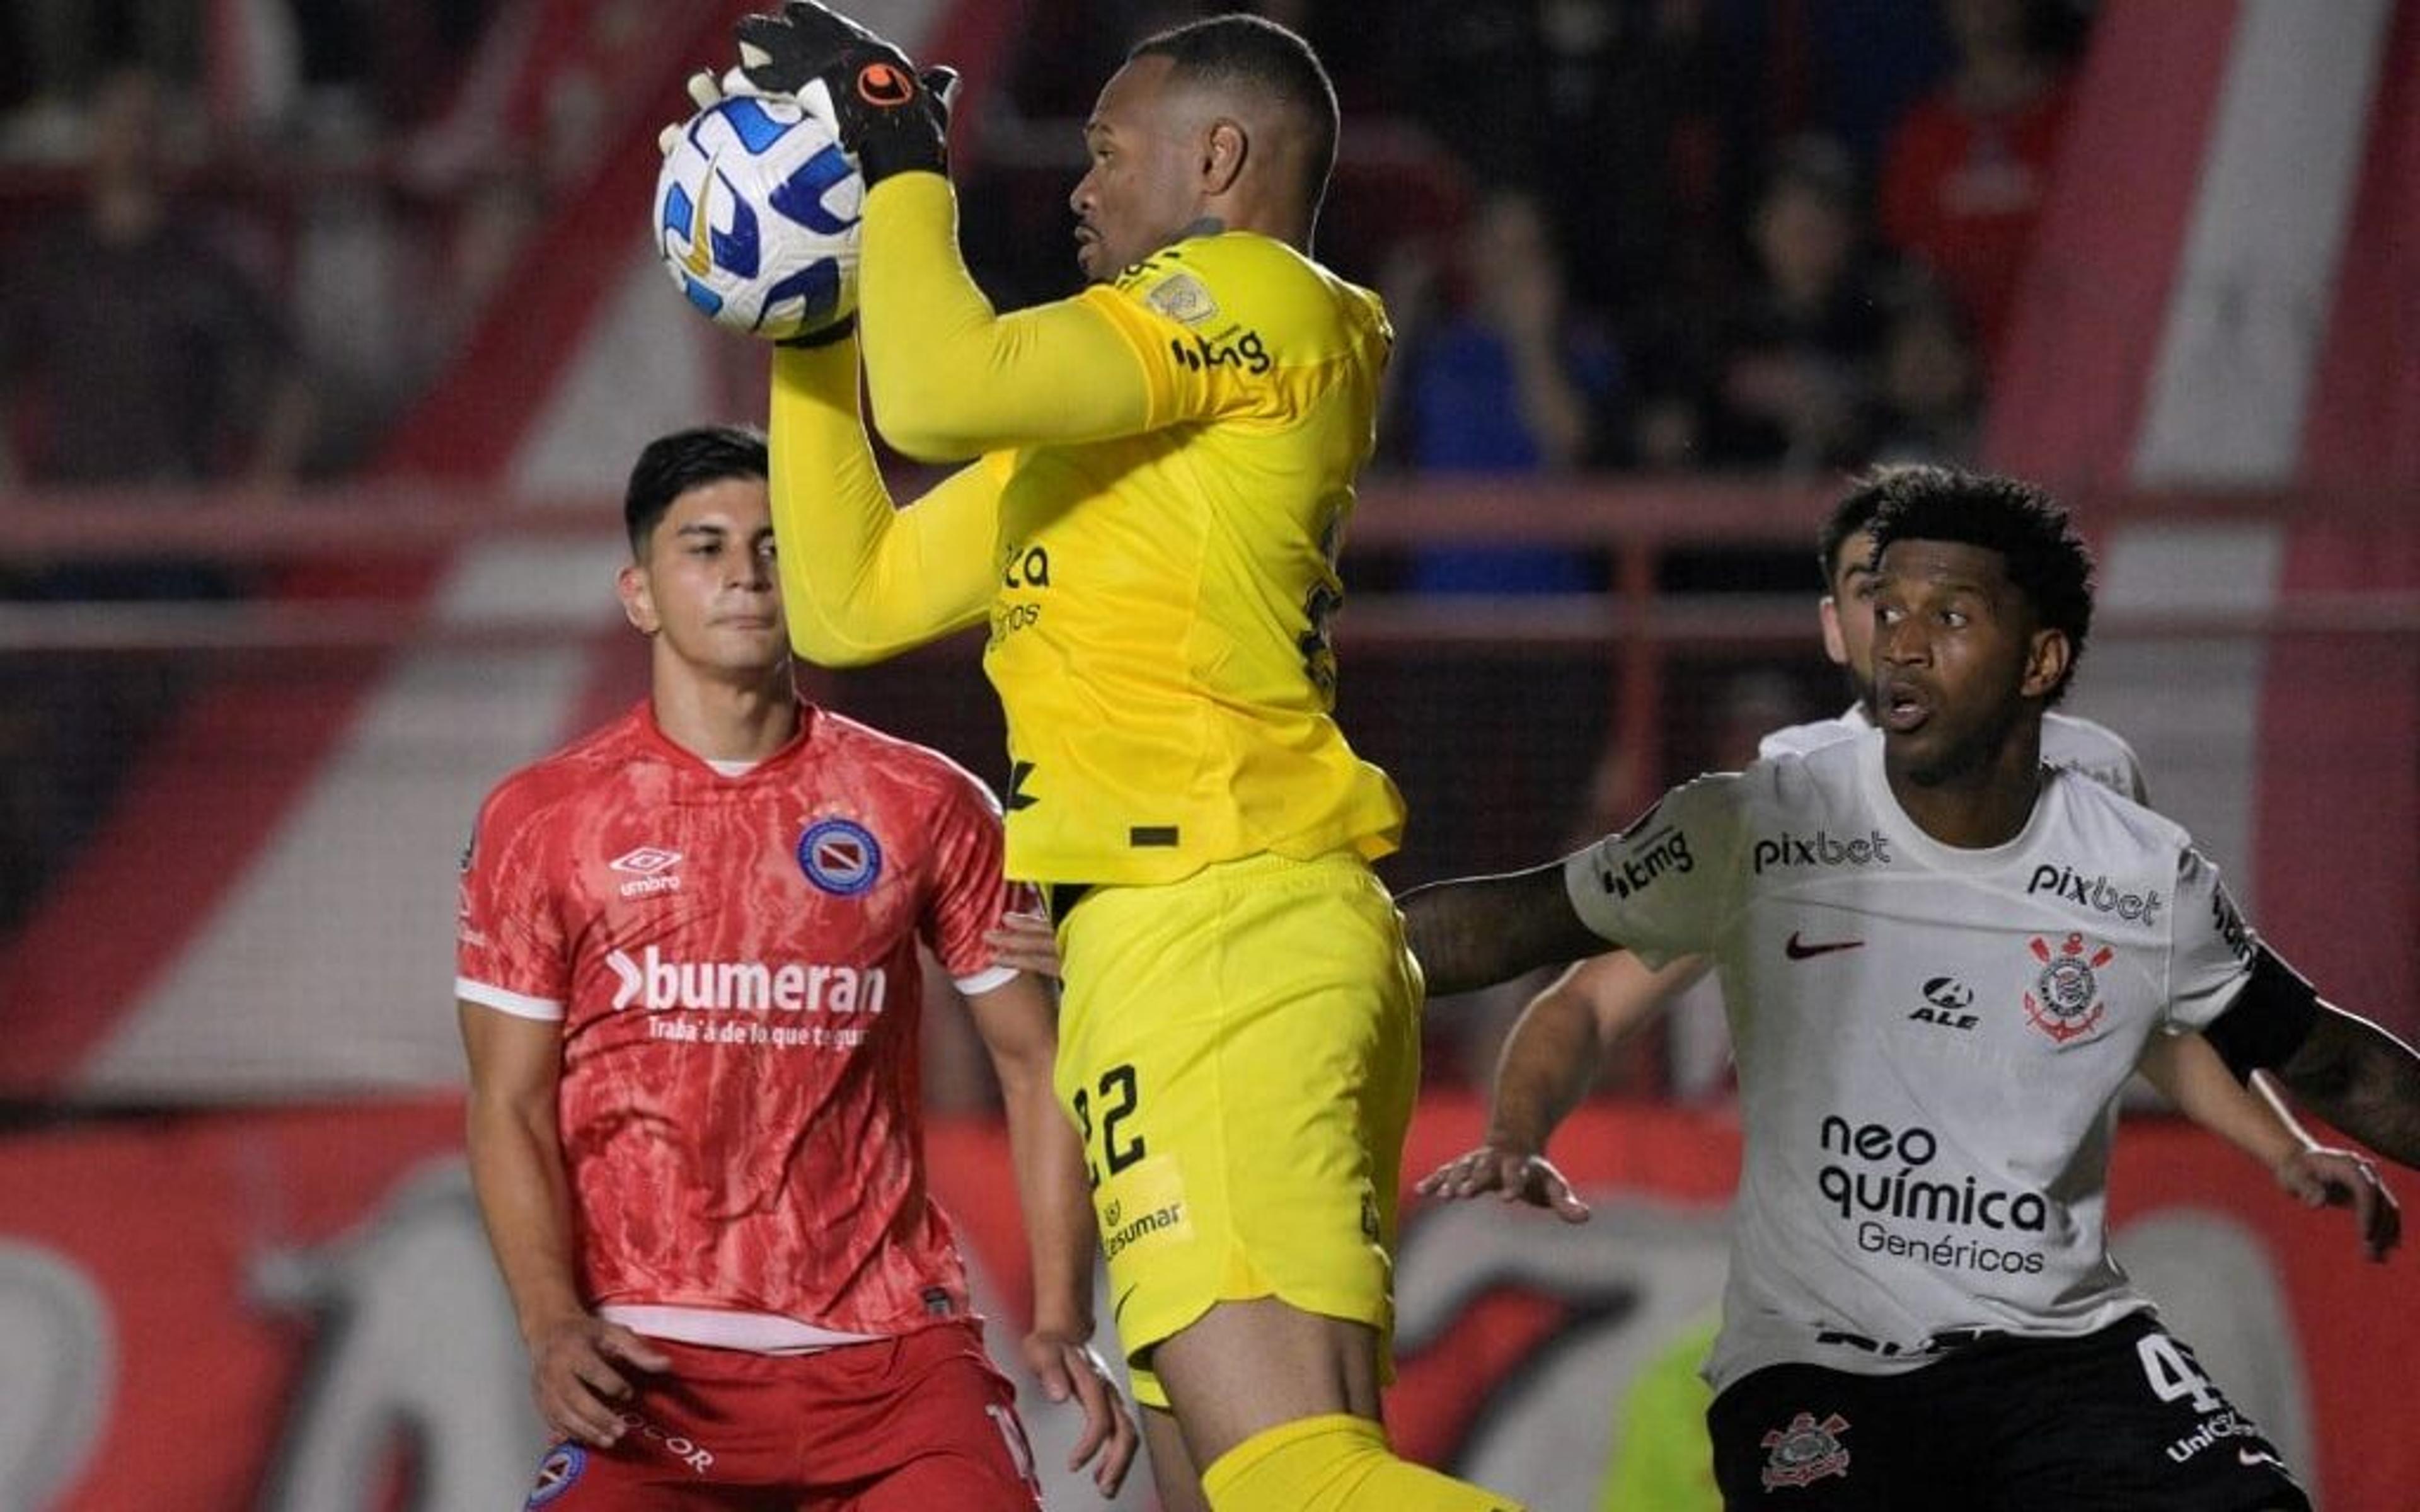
{"points": [[887, 115], [1515, 1175], [1068, 1369], [1025, 941], [2324, 1178], [575, 1379]]}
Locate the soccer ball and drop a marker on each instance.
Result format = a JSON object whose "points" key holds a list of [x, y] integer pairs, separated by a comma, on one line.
{"points": [[757, 212]]}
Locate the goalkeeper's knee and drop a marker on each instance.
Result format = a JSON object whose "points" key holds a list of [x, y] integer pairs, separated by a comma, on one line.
{"points": [[1335, 1463]]}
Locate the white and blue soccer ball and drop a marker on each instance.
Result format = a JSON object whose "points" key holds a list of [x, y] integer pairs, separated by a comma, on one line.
{"points": [[756, 216]]}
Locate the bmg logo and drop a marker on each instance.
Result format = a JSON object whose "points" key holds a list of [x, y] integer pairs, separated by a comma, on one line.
{"points": [[1667, 850]]}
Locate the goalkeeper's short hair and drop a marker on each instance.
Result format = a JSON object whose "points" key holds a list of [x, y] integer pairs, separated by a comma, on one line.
{"points": [[1253, 52]]}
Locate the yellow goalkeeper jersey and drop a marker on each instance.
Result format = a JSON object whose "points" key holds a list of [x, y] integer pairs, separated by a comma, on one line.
{"points": [[1151, 531]]}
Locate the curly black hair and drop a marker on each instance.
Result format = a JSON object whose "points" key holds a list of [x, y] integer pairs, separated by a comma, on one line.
{"points": [[2044, 558]]}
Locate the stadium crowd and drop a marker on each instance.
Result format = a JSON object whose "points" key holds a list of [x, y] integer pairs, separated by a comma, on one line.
{"points": [[1747, 237]]}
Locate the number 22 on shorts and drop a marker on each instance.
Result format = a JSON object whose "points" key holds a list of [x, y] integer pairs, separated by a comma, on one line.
{"points": [[1117, 1095]]}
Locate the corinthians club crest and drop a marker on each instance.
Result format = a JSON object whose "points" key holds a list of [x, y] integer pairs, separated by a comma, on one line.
{"points": [[2066, 1003], [1805, 1451]]}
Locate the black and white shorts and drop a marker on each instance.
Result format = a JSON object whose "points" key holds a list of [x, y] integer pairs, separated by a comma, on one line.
{"points": [[2123, 1420]]}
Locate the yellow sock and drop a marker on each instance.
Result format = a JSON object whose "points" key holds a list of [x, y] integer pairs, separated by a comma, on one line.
{"points": [[1334, 1463]]}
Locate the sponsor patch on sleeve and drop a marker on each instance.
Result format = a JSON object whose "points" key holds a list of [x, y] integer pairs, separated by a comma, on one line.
{"points": [[1182, 297]]}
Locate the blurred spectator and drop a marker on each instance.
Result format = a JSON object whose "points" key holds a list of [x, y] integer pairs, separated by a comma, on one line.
{"points": [[132, 354], [1928, 399], [133, 351], [1637, 112], [1788, 381], [1872, 60], [1495, 376], [1968, 169], [1648, 132], [62, 51], [402, 59]]}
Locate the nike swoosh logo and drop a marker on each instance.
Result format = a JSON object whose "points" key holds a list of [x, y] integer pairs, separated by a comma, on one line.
{"points": [[2254, 1457], [1798, 950]]}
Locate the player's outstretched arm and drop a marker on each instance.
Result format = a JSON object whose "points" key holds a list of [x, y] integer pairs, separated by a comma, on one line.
{"points": [[1548, 1063], [516, 1170], [1019, 1023], [2361, 1079], [2191, 1074], [1475, 931], [860, 580]]}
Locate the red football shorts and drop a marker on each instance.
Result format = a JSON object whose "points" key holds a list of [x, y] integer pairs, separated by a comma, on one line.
{"points": [[905, 1424]]}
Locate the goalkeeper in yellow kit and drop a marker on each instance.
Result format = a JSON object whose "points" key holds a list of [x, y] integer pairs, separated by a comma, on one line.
{"points": [[1165, 467]]}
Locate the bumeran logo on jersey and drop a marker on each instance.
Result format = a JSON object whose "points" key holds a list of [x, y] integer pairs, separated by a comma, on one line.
{"points": [[1821, 848], [653, 984], [1645, 859], [1880, 1180]]}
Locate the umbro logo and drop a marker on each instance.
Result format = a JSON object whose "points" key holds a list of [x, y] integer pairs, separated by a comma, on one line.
{"points": [[650, 867], [1798, 950]]}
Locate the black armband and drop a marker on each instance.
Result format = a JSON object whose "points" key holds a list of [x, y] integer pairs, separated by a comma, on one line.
{"points": [[2269, 1019]]}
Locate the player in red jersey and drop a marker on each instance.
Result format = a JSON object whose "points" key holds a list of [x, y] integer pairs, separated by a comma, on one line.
{"points": [[689, 985]]}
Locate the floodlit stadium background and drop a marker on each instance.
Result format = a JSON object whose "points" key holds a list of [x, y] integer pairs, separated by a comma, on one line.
{"points": [[255, 690]]}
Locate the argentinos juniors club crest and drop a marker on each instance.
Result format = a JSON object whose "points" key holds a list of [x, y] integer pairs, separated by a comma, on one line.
{"points": [[2066, 1002], [1805, 1451]]}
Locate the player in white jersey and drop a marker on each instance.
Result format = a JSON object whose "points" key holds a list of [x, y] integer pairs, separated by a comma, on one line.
{"points": [[1567, 1031], [1941, 960]]}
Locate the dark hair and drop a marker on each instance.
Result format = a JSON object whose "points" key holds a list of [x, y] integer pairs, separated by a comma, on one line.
{"points": [[1850, 516], [1257, 54], [2038, 549], [672, 465]]}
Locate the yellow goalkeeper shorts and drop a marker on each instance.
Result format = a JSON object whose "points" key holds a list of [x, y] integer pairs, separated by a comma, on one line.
{"points": [[1241, 1051]]}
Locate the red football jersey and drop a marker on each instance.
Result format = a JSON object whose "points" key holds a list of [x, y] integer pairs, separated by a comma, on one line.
{"points": [[733, 962]]}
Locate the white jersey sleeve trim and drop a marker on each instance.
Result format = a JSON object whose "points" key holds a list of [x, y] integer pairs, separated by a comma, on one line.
{"points": [[984, 980], [519, 1005]]}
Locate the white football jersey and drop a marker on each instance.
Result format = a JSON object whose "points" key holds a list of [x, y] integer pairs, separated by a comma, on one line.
{"points": [[2098, 751], [1930, 1041]]}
